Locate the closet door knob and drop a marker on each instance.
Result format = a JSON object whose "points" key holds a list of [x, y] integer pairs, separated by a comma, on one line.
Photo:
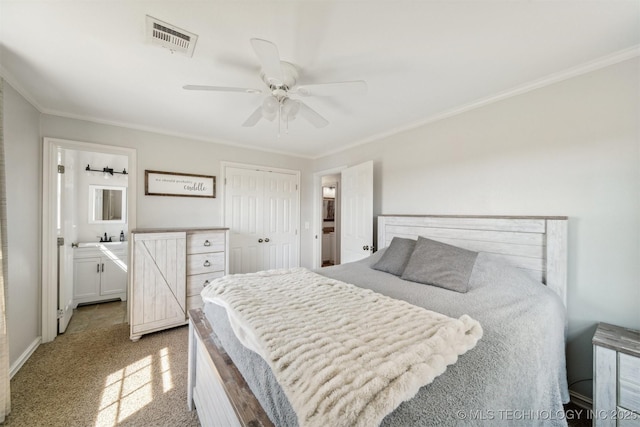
{"points": [[98, 270], [266, 240], [260, 240], [365, 248], [207, 243], [207, 263]]}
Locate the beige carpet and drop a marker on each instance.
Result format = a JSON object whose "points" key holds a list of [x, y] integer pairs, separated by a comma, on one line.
{"points": [[101, 378]]}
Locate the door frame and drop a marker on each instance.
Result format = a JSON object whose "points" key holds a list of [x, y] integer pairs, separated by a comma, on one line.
{"points": [[49, 241], [317, 213], [223, 175]]}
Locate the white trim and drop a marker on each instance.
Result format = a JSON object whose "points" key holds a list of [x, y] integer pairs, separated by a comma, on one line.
{"points": [[317, 213], [593, 65], [17, 364], [49, 267], [13, 82], [223, 183], [161, 131], [550, 79]]}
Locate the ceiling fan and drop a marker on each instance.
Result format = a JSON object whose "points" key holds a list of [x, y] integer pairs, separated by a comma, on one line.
{"points": [[281, 78]]}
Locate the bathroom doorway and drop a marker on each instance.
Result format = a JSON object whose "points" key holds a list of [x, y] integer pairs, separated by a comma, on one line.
{"points": [[64, 168], [330, 241], [327, 217]]}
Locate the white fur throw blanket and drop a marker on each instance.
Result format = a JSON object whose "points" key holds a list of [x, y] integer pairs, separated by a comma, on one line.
{"points": [[344, 356]]}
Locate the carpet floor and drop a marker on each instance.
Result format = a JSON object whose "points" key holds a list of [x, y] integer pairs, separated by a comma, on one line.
{"points": [[101, 378]]}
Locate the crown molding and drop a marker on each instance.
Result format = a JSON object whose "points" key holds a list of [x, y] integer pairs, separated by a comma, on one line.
{"points": [[548, 80], [13, 82], [166, 132]]}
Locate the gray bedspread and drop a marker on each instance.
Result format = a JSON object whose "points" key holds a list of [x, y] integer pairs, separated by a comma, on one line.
{"points": [[514, 376]]}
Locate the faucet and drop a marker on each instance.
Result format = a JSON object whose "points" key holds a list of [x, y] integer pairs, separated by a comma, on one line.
{"points": [[104, 238]]}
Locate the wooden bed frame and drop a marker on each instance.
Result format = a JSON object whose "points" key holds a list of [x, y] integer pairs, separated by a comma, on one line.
{"points": [[535, 244]]}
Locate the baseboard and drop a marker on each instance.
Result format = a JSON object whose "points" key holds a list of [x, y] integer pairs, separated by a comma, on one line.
{"points": [[581, 400], [15, 366]]}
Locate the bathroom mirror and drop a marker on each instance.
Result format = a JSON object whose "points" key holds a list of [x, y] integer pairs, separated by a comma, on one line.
{"points": [[107, 204]]}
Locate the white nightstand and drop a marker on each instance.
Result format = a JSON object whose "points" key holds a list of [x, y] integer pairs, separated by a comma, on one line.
{"points": [[616, 376]]}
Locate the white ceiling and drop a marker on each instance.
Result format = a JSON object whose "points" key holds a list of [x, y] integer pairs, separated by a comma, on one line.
{"points": [[91, 60]]}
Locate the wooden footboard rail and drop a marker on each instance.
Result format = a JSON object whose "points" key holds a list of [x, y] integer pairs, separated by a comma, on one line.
{"points": [[216, 387]]}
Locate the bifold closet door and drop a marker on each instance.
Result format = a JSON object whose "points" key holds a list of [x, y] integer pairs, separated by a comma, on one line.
{"points": [[261, 211]]}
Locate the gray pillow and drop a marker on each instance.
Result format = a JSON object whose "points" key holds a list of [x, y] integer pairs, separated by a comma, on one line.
{"points": [[396, 256], [438, 264]]}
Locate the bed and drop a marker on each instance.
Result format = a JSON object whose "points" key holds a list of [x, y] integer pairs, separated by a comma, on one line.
{"points": [[515, 373]]}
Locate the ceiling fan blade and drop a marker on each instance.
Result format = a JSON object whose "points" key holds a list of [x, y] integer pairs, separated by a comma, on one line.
{"points": [[254, 118], [312, 116], [269, 57], [221, 88], [356, 87]]}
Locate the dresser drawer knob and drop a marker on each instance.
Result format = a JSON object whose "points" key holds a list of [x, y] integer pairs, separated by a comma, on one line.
{"points": [[207, 263], [207, 243], [205, 284]]}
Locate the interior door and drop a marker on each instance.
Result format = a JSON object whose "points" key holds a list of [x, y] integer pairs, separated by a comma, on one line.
{"points": [[243, 216], [357, 212], [280, 228], [64, 228], [261, 211]]}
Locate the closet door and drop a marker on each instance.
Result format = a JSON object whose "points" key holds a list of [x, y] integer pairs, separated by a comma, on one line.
{"points": [[261, 211], [280, 224]]}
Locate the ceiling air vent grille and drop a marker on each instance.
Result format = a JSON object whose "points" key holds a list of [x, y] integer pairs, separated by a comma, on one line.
{"points": [[170, 36]]}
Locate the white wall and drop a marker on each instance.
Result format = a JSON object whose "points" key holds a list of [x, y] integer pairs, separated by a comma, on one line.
{"points": [[85, 231], [23, 166], [572, 148], [175, 154]]}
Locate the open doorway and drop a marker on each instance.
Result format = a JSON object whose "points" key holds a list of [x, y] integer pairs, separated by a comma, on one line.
{"points": [[330, 241], [73, 173]]}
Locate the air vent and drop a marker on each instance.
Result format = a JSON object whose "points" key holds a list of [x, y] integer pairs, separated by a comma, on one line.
{"points": [[170, 36]]}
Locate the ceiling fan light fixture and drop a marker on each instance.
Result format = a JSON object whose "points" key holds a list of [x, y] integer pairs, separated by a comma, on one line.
{"points": [[290, 108], [270, 105]]}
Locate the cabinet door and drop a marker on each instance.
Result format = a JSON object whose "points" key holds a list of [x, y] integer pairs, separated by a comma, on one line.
{"points": [[86, 277], [114, 276], [159, 283]]}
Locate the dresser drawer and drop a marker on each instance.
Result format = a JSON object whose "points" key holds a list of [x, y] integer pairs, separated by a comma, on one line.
{"points": [[197, 282], [205, 263], [206, 241], [629, 382]]}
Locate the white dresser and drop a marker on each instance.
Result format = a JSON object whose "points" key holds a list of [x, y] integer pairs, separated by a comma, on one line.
{"points": [[616, 376], [170, 267], [99, 272]]}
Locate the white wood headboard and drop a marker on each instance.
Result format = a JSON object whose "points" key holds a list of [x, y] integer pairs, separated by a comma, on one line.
{"points": [[536, 244]]}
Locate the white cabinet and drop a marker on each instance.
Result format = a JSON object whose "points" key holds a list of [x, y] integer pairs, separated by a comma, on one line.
{"points": [[616, 376], [168, 271], [99, 273]]}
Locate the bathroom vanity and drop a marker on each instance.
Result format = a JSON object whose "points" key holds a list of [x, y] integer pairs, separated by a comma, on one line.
{"points": [[99, 272]]}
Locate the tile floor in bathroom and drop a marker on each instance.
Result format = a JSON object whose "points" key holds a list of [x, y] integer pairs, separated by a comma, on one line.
{"points": [[96, 316]]}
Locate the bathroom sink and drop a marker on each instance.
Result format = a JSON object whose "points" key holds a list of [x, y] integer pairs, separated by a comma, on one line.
{"points": [[98, 244]]}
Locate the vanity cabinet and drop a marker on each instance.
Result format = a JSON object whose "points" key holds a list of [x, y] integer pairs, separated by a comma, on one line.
{"points": [[169, 269], [99, 273]]}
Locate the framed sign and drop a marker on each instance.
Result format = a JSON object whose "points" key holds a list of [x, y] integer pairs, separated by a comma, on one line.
{"points": [[158, 183]]}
